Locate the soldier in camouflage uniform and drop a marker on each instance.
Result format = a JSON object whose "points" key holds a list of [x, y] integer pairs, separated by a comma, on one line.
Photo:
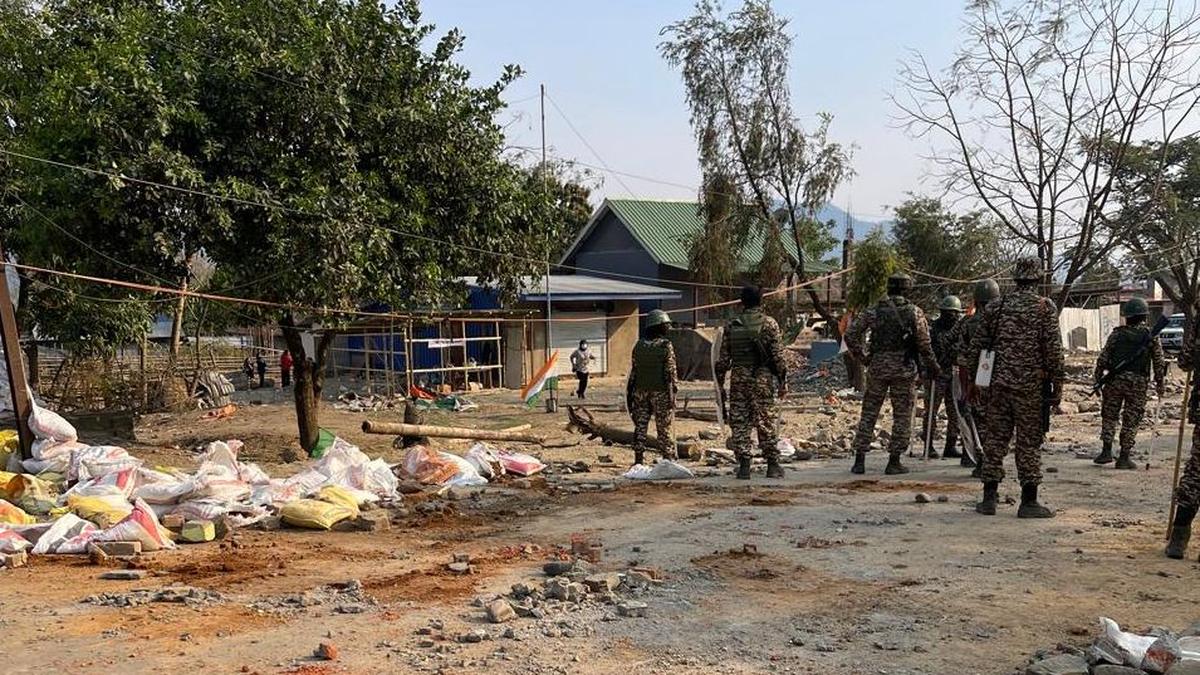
{"points": [[752, 347], [653, 383], [1187, 493], [899, 337], [1021, 330], [985, 291], [1127, 389], [941, 333]]}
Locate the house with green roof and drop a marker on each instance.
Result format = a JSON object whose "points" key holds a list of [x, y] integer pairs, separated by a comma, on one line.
{"points": [[648, 241]]}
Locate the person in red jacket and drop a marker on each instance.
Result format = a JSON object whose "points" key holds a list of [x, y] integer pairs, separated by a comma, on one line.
{"points": [[285, 368]]}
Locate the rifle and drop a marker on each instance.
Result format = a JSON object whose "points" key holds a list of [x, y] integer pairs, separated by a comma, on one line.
{"points": [[1128, 361]]}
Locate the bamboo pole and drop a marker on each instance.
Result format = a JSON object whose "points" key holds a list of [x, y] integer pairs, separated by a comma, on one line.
{"points": [[519, 427], [428, 430]]}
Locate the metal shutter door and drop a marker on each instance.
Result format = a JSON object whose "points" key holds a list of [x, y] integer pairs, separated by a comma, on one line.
{"points": [[567, 335]]}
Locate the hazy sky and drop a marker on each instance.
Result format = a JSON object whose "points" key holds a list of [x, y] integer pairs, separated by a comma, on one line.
{"points": [[599, 62]]}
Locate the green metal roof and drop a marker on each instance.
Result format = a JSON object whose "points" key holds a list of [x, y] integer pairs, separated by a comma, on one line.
{"points": [[665, 229]]}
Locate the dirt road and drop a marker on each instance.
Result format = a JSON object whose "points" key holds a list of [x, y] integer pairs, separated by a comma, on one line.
{"points": [[821, 572]]}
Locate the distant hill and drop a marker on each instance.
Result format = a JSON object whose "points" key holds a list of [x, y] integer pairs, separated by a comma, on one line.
{"points": [[839, 217]]}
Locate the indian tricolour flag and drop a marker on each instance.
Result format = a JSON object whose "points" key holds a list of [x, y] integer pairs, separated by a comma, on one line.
{"points": [[535, 386]]}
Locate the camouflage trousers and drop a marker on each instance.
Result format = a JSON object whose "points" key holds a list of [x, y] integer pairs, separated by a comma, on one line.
{"points": [[1188, 492], [901, 390], [656, 404], [1012, 412], [1125, 399], [943, 392], [753, 407]]}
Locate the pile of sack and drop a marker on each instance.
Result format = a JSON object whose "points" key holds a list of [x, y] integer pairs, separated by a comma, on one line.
{"points": [[115, 497]]}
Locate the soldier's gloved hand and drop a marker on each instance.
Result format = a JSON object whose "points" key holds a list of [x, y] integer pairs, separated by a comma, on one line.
{"points": [[783, 388], [973, 394], [1161, 389]]}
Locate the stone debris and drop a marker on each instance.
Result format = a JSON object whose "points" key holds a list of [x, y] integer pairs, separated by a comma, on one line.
{"points": [[124, 575], [632, 608], [500, 611], [922, 498], [346, 597], [117, 549], [187, 595], [13, 560], [326, 651]]}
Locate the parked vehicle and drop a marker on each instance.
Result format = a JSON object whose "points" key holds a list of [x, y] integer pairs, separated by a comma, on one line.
{"points": [[1172, 336]]}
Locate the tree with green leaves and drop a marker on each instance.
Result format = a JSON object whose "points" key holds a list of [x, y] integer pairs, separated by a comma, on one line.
{"points": [[336, 153], [80, 84], [875, 259], [942, 243], [735, 74], [1159, 222]]}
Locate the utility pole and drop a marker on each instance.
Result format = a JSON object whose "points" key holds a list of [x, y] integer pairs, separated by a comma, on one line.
{"points": [[12, 359], [552, 401]]}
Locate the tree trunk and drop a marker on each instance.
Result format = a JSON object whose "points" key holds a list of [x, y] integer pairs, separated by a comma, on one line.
{"points": [[309, 380], [177, 323]]}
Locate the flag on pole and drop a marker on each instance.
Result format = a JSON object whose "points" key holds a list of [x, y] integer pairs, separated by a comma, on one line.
{"points": [[529, 391]]}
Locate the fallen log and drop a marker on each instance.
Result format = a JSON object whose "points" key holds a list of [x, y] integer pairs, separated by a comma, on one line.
{"points": [[581, 421], [430, 431], [519, 427], [699, 415]]}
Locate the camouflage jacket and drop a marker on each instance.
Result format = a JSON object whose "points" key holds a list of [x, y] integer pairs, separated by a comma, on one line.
{"points": [[1022, 328], [1107, 360], [942, 338], [772, 341], [961, 336], [889, 363]]}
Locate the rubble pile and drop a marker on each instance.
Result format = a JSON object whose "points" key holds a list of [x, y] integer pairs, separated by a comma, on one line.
{"points": [[346, 597], [823, 379], [185, 595], [1117, 652]]}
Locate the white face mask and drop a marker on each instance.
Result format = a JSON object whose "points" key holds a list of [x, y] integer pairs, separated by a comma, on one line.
{"points": [[583, 348]]}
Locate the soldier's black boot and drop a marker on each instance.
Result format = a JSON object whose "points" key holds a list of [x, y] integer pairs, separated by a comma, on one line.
{"points": [[639, 456], [1124, 462], [773, 468], [1105, 456], [894, 466], [1030, 508], [991, 495], [1181, 532], [951, 451], [743, 471], [860, 463]]}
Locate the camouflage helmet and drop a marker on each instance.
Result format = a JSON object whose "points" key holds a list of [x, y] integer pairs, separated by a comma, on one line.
{"points": [[950, 303], [1135, 307], [1028, 269], [986, 290], [899, 283], [657, 317]]}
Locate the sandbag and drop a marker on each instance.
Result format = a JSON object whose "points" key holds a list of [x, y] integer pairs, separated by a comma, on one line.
{"points": [[315, 514], [336, 494], [663, 470], [440, 468], [99, 460], [103, 510], [140, 525], [11, 542], [12, 514], [47, 424], [68, 534], [520, 463], [485, 460]]}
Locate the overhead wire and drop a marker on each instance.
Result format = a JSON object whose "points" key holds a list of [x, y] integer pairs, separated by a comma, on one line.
{"points": [[430, 316]]}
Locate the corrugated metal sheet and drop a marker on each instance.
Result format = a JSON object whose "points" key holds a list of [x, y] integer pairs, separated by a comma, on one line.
{"points": [[581, 287], [666, 228]]}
